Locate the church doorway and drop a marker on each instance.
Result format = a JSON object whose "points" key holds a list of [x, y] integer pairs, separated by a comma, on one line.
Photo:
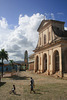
{"points": [[56, 61], [65, 61], [45, 62], [37, 63]]}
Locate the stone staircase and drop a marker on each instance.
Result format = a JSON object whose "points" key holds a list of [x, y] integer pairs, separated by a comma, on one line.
{"points": [[44, 73], [56, 74]]}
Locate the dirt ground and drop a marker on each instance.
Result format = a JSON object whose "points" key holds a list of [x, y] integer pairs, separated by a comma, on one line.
{"points": [[46, 87]]}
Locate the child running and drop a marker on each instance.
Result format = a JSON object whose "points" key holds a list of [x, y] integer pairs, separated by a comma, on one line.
{"points": [[13, 90]]}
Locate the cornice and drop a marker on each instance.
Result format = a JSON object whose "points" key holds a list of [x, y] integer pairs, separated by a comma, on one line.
{"points": [[47, 46]]}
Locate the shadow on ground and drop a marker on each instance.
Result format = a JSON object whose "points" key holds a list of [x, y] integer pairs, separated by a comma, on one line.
{"points": [[14, 93], [38, 91], [16, 77], [18, 94], [2, 83]]}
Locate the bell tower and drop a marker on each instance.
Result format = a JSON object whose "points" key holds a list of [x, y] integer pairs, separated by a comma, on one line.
{"points": [[26, 59]]}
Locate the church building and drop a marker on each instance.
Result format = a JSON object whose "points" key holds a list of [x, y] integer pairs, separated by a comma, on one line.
{"points": [[50, 54]]}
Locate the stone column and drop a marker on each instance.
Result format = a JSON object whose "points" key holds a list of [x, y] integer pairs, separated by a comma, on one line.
{"points": [[48, 35], [48, 63], [63, 63], [52, 60], [42, 38], [34, 63], [41, 62], [39, 67], [60, 62]]}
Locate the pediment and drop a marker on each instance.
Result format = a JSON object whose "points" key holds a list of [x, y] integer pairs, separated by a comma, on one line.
{"points": [[43, 23]]}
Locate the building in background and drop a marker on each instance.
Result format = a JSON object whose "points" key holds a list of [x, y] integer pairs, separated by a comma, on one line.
{"points": [[8, 67], [31, 62], [17, 65], [23, 65]]}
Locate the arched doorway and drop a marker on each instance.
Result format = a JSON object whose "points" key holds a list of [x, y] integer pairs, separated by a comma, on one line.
{"points": [[65, 61], [56, 61], [37, 63], [45, 62]]}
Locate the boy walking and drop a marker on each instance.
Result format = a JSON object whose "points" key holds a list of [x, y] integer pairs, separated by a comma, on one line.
{"points": [[32, 85]]}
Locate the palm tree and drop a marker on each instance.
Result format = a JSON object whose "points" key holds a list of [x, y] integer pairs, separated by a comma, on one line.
{"points": [[12, 63], [3, 55]]}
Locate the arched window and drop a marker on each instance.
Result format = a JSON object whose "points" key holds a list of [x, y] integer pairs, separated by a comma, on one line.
{"points": [[45, 62], [49, 59], [44, 39], [49, 36], [65, 61], [56, 61], [37, 63]]}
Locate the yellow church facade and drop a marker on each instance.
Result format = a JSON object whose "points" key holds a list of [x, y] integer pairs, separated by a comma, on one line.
{"points": [[50, 55]]}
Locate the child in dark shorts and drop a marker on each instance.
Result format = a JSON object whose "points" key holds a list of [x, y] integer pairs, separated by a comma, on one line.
{"points": [[13, 90], [32, 84]]}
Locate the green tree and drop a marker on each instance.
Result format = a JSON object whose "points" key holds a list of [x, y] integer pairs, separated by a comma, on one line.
{"points": [[3, 55], [11, 63]]}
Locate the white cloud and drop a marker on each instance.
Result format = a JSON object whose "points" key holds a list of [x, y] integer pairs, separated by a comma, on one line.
{"points": [[49, 16], [23, 37], [52, 15], [3, 23], [65, 28], [60, 13]]}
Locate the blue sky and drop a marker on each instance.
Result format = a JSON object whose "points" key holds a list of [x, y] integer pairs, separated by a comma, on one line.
{"points": [[19, 20], [11, 9]]}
